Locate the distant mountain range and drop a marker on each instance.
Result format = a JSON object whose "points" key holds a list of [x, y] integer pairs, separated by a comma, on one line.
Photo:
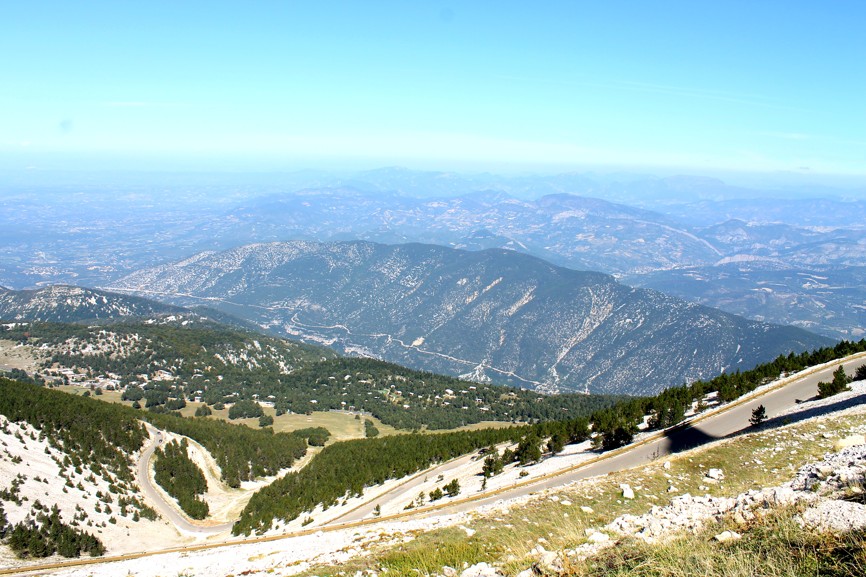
{"points": [[650, 232], [492, 315]]}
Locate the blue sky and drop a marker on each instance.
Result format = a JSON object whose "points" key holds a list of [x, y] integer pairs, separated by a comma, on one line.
{"points": [[692, 85]]}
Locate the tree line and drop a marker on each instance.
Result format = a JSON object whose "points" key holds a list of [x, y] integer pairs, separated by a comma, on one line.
{"points": [[343, 470]]}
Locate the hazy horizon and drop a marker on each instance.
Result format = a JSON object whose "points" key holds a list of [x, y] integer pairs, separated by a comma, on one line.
{"points": [[675, 87]]}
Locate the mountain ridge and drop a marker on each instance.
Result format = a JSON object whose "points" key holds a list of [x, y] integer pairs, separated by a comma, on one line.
{"points": [[485, 315]]}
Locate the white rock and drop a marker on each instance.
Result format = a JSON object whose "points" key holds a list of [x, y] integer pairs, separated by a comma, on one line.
{"points": [[586, 509], [480, 570], [627, 493], [838, 516], [716, 474], [726, 536], [598, 537], [550, 562], [849, 441], [566, 502], [667, 465]]}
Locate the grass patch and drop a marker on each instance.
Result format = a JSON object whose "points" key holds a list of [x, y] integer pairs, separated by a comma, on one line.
{"points": [[774, 546]]}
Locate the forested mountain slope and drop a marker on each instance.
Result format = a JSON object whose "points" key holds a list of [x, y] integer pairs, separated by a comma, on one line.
{"points": [[164, 365], [491, 315]]}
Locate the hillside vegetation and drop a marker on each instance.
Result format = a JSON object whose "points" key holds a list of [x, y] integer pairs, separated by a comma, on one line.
{"points": [[490, 315], [345, 469], [164, 365]]}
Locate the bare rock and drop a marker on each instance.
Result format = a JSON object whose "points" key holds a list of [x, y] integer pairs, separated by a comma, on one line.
{"points": [[849, 441], [598, 537], [550, 562], [727, 536], [836, 516]]}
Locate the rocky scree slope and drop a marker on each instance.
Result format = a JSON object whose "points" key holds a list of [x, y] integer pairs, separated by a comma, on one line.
{"points": [[492, 315]]}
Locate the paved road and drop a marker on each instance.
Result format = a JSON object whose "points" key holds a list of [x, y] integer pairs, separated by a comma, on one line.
{"points": [[156, 498], [730, 420]]}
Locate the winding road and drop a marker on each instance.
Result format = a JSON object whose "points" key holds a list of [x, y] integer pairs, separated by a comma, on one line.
{"points": [[158, 499]]}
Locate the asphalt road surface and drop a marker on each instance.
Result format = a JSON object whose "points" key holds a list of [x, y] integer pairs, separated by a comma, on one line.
{"points": [[156, 498], [729, 421]]}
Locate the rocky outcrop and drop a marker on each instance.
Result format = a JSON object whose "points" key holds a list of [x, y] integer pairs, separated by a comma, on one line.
{"points": [[827, 490]]}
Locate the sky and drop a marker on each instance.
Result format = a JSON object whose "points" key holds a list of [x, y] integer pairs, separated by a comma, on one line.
{"points": [[475, 85]]}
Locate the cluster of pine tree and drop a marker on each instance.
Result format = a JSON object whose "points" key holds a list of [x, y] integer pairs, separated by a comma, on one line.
{"points": [[100, 434], [409, 399], [198, 358], [343, 470], [47, 535], [617, 425], [241, 452], [838, 384], [181, 478]]}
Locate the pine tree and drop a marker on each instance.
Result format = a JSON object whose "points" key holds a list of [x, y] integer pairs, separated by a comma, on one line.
{"points": [[759, 415]]}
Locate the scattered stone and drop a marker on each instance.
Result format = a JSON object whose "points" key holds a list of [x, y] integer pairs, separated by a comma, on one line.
{"points": [[667, 465], [627, 492], [715, 474], [586, 509], [565, 502], [550, 562]]}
